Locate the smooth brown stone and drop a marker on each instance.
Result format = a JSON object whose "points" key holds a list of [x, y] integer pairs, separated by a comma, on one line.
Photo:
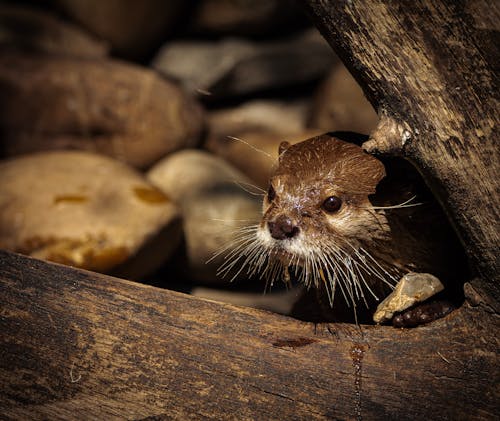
{"points": [[340, 105], [287, 117], [247, 17], [215, 199], [234, 67], [105, 106], [32, 29], [255, 153], [85, 210], [133, 28]]}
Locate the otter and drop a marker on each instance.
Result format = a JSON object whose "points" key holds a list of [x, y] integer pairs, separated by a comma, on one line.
{"points": [[331, 222]]}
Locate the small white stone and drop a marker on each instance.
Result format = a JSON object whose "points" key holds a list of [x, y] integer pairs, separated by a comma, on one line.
{"points": [[411, 289]]}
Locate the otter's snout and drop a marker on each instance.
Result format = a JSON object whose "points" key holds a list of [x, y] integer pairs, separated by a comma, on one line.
{"points": [[282, 227]]}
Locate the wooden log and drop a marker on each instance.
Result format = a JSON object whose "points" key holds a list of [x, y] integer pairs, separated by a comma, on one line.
{"points": [[430, 69], [80, 345]]}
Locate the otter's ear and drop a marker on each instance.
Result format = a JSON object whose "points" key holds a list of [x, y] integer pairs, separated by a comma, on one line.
{"points": [[377, 172], [359, 171], [283, 147], [369, 172]]}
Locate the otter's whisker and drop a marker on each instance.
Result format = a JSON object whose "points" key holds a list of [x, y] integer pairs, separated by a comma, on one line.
{"points": [[234, 246], [336, 268], [365, 284], [332, 279], [242, 184], [251, 146], [248, 255], [391, 277], [370, 268], [405, 204], [316, 272], [337, 257], [354, 284], [342, 286], [359, 269], [232, 220], [235, 255], [242, 249], [350, 281], [329, 283]]}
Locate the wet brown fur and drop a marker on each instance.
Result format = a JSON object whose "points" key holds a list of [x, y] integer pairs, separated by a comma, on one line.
{"points": [[400, 240], [357, 252]]}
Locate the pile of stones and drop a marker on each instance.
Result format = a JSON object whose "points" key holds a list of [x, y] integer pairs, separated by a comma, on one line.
{"points": [[137, 137]]}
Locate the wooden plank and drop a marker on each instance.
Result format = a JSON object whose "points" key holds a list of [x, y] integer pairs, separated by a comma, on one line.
{"points": [[81, 345]]}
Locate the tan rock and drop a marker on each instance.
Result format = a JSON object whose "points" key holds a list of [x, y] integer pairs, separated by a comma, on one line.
{"points": [[234, 66], [247, 17], [134, 28], [413, 288], [281, 302], [103, 106], [340, 105], [215, 203], [256, 152], [85, 210], [287, 117], [26, 28]]}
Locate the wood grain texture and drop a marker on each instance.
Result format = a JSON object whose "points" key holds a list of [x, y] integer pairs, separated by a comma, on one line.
{"points": [[80, 345], [430, 69]]}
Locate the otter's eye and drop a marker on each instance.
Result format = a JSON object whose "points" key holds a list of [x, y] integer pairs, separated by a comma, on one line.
{"points": [[271, 193], [332, 204]]}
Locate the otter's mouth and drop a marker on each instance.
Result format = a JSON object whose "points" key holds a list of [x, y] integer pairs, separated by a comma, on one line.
{"points": [[285, 257]]}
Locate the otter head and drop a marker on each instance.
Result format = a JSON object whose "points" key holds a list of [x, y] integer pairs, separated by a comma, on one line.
{"points": [[317, 215], [317, 219]]}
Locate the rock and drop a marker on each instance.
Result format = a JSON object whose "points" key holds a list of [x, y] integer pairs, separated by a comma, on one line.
{"points": [[104, 106], [256, 17], [340, 105], [31, 29], [133, 28], [413, 288], [287, 117], [234, 67], [255, 152], [281, 302], [87, 211], [215, 203], [248, 136]]}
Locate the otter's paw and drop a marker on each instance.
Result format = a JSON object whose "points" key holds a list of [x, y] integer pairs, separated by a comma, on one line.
{"points": [[422, 313]]}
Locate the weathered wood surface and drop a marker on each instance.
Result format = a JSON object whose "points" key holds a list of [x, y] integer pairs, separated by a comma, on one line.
{"points": [[430, 68], [80, 345]]}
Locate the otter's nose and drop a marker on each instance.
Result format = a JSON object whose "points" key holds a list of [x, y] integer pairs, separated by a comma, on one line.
{"points": [[282, 227]]}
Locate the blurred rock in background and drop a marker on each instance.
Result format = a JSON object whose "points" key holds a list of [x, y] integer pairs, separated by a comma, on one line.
{"points": [[195, 94], [84, 210], [340, 105], [34, 30], [105, 106], [216, 202], [255, 153], [256, 18], [133, 28], [275, 115], [234, 67]]}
